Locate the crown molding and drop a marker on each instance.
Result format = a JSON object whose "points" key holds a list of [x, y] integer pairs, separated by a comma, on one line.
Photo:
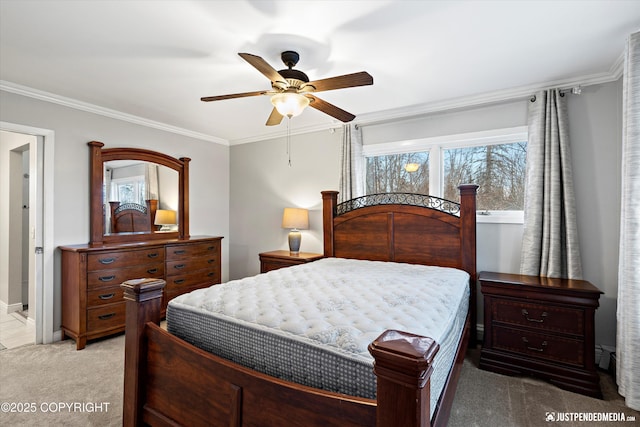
{"points": [[378, 117], [415, 111], [107, 112]]}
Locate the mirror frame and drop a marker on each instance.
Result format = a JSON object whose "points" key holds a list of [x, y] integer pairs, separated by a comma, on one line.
{"points": [[97, 157]]}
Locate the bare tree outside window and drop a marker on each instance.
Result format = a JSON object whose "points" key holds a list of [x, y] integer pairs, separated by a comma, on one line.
{"points": [[394, 173], [498, 169]]}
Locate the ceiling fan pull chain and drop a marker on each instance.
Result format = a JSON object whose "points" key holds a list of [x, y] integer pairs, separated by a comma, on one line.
{"points": [[289, 139]]}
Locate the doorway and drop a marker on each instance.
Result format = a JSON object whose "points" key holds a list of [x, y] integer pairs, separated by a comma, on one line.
{"points": [[26, 232]]}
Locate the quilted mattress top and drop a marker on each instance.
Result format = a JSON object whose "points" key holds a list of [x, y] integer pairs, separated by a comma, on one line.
{"points": [[340, 303]]}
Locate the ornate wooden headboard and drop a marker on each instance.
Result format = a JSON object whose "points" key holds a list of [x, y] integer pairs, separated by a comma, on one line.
{"points": [[133, 217], [403, 227]]}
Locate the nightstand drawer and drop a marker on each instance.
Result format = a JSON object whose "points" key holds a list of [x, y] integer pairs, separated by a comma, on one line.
{"points": [[545, 346], [540, 316]]}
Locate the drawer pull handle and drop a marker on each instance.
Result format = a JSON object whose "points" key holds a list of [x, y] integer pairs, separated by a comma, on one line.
{"points": [[107, 260], [179, 266], [525, 313], [211, 274], [107, 296], [526, 341], [106, 316], [180, 252], [152, 270], [106, 278], [178, 281], [210, 248], [153, 255], [211, 261]]}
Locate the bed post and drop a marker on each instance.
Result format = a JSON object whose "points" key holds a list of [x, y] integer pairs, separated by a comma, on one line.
{"points": [[403, 368], [143, 298], [468, 248], [329, 203]]}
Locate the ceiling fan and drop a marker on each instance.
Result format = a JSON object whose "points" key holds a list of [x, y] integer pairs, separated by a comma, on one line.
{"points": [[292, 91]]}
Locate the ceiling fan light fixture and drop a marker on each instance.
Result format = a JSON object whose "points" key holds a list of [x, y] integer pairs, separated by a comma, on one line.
{"points": [[289, 104]]}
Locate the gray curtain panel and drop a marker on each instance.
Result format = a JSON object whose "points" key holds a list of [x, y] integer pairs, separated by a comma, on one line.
{"points": [[628, 315], [550, 239], [351, 164]]}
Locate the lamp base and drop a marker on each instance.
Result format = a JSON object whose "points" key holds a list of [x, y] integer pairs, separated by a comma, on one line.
{"points": [[295, 237]]}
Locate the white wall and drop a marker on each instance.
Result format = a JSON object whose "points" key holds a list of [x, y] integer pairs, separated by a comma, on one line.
{"points": [[262, 184], [208, 177]]}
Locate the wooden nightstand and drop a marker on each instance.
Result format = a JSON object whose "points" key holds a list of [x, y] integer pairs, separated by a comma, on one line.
{"points": [[542, 327], [280, 259]]}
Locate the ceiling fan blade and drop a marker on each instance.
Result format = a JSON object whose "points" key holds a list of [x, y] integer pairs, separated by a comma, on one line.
{"points": [[340, 82], [275, 118], [330, 109], [233, 95], [264, 67]]}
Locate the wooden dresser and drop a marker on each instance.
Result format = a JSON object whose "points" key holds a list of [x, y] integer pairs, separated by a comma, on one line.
{"points": [[279, 259], [543, 327], [92, 303]]}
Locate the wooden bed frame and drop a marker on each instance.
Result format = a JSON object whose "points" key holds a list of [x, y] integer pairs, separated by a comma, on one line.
{"points": [[133, 217], [169, 382]]}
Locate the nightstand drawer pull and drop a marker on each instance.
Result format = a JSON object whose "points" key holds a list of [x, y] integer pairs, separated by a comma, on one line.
{"points": [[107, 260], [179, 281], [106, 278], [525, 313], [107, 296], [106, 316], [526, 341]]}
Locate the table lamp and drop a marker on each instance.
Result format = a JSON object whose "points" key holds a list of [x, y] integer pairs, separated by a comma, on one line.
{"points": [[295, 219]]}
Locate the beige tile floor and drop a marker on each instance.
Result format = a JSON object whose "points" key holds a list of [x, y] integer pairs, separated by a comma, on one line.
{"points": [[15, 331]]}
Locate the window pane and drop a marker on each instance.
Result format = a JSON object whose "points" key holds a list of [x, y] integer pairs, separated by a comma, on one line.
{"points": [[499, 170], [406, 172]]}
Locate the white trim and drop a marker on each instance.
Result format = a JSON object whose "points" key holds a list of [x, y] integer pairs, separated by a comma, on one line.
{"points": [[377, 117], [494, 136], [107, 112], [44, 289], [10, 308], [500, 217]]}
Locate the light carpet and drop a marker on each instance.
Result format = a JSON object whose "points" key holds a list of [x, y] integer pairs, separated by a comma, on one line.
{"points": [[62, 386]]}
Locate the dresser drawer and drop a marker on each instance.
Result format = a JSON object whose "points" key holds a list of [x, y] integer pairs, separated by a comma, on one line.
{"points": [[97, 279], [189, 266], [188, 280], [540, 316], [181, 252], [106, 317], [104, 296], [120, 259], [544, 346]]}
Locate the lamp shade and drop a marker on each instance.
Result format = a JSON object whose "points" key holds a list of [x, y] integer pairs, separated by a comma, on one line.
{"points": [[295, 218], [165, 217], [289, 104]]}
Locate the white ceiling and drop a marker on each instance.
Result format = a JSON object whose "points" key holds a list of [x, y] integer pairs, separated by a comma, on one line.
{"points": [[152, 61]]}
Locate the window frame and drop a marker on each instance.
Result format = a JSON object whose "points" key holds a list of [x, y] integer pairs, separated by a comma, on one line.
{"points": [[436, 145]]}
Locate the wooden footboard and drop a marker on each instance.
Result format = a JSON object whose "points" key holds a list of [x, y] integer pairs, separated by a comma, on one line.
{"points": [[169, 382]]}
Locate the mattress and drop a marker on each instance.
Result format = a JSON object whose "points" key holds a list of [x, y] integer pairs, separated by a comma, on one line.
{"points": [[312, 323]]}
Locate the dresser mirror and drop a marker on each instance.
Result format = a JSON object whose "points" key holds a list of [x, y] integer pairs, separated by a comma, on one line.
{"points": [[137, 195]]}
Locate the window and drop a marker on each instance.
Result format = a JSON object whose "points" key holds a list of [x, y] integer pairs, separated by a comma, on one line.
{"points": [[129, 190], [495, 160]]}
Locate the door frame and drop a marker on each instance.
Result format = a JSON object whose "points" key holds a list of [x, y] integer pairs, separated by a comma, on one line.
{"points": [[45, 277]]}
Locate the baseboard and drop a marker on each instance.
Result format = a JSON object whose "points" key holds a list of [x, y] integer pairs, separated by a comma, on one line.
{"points": [[10, 308], [57, 336]]}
